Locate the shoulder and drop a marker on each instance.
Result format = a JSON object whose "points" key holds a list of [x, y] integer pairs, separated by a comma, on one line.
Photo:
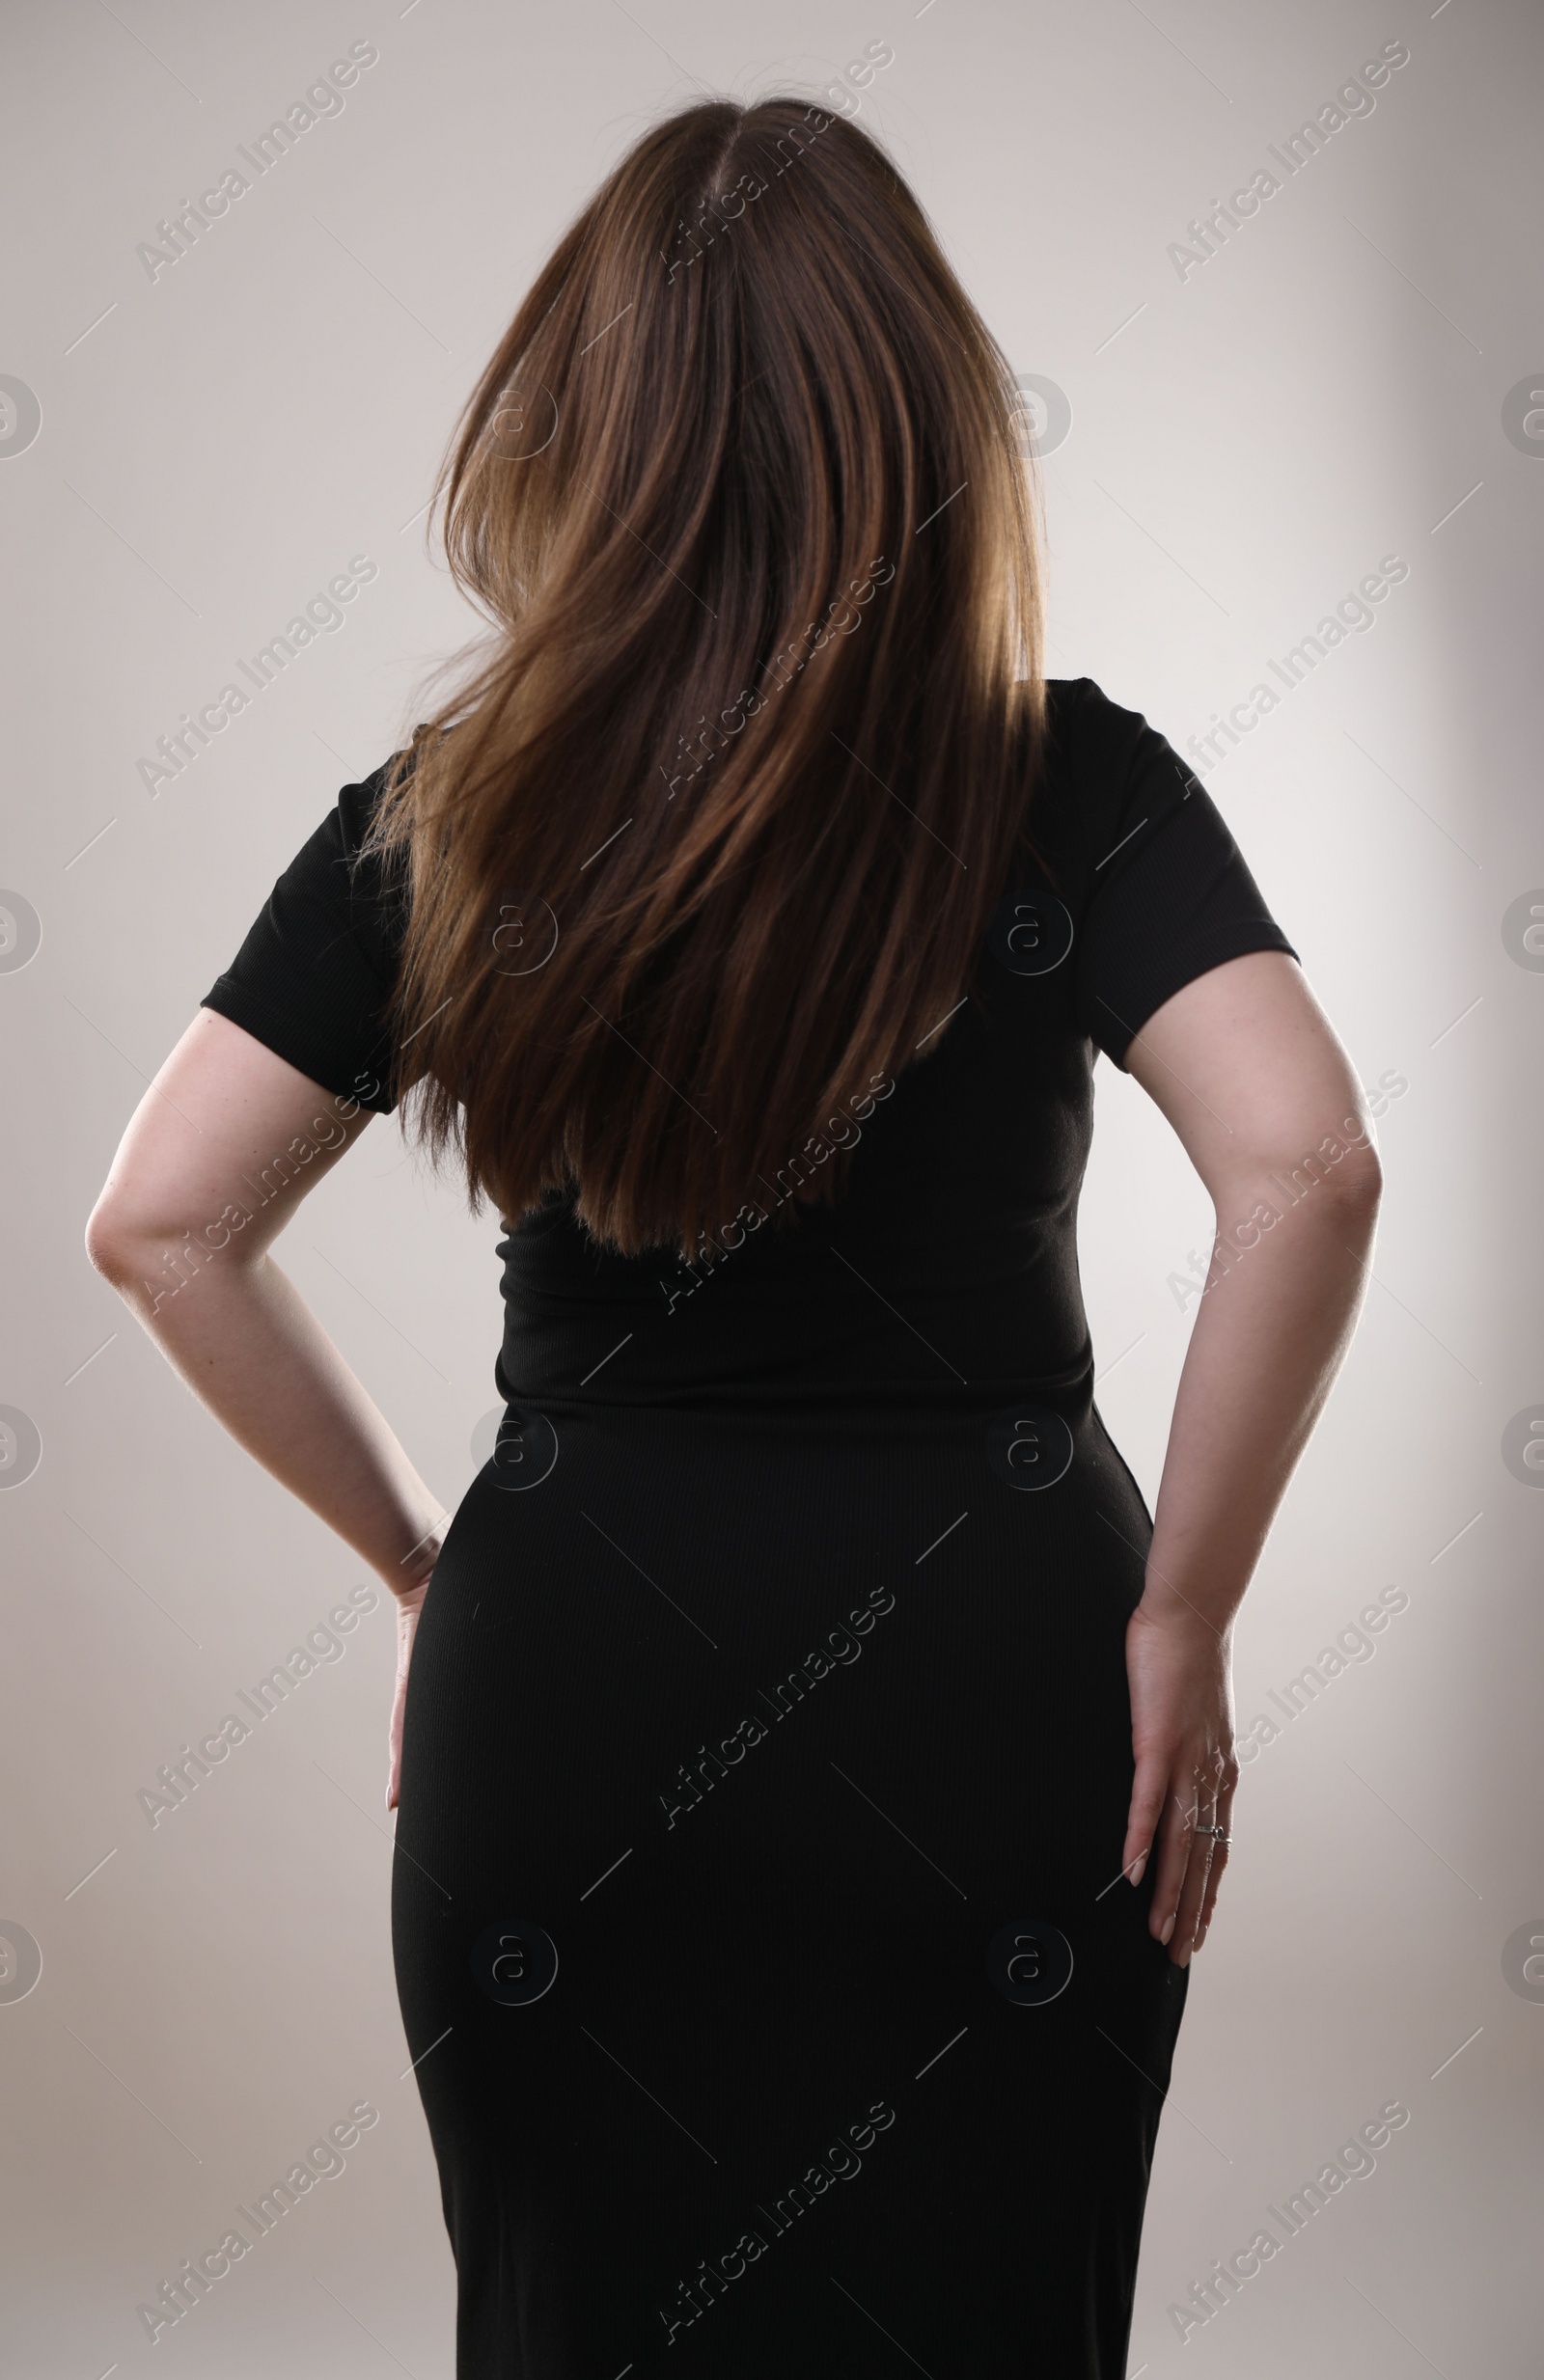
{"points": [[356, 807], [1090, 737], [1106, 769], [360, 888], [357, 803]]}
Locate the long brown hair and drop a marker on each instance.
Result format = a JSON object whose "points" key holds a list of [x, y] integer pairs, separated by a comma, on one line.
{"points": [[708, 840]]}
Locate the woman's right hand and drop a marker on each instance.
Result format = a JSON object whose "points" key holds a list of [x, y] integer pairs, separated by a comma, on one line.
{"points": [[408, 1608], [1179, 1670]]}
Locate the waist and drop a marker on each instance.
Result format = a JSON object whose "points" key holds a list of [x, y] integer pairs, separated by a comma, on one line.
{"points": [[833, 1389], [960, 1327]]}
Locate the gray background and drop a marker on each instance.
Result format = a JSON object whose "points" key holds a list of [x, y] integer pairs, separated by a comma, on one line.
{"points": [[1247, 443]]}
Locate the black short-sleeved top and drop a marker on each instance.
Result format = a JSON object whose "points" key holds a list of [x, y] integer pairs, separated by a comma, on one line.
{"points": [[946, 1271]]}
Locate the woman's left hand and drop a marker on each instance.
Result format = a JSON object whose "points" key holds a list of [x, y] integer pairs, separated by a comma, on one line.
{"points": [[1177, 1666], [408, 1608]]}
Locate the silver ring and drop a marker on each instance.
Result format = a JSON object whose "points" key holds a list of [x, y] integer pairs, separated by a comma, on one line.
{"points": [[1221, 1832]]}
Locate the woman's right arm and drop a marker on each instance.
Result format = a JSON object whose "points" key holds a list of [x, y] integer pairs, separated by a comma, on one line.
{"points": [[1245, 1066]]}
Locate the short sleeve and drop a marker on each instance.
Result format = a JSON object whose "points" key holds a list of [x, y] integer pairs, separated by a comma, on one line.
{"points": [[314, 978], [1167, 894]]}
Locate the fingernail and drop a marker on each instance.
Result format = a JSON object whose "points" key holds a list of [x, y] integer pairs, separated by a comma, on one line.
{"points": [[1183, 1960], [1168, 1928], [1139, 1869]]}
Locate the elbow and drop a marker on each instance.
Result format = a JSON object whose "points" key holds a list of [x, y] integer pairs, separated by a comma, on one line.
{"points": [[131, 1251], [1363, 1193], [1347, 1190], [1341, 1186], [106, 1245], [1357, 1183], [117, 1244], [1373, 1189]]}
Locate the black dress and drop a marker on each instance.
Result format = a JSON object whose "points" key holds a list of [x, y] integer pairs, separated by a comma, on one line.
{"points": [[781, 2012]]}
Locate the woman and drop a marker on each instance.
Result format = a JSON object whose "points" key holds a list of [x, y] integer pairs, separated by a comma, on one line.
{"points": [[816, 1767]]}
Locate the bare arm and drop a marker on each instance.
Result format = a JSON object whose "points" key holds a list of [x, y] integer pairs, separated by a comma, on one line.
{"points": [[1246, 1067], [214, 1162]]}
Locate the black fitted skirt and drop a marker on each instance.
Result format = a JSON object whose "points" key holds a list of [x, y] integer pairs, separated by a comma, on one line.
{"points": [[780, 2011]]}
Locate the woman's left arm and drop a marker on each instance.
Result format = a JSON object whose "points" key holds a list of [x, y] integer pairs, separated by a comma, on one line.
{"points": [[214, 1162], [1247, 1068]]}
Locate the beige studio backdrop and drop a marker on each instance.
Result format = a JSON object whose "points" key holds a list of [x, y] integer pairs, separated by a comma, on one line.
{"points": [[1270, 279]]}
